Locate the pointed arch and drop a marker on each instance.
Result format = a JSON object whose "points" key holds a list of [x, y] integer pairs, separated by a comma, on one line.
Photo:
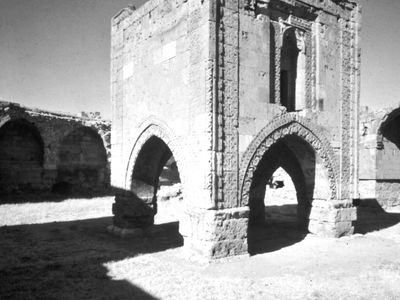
{"points": [[21, 156], [153, 128], [82, 163], [281, 127]]}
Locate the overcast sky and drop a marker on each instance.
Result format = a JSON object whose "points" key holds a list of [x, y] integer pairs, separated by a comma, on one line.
{"points": [[54, 54]]}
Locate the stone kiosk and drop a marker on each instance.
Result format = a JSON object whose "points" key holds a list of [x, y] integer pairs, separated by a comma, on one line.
{"points": [[234, 90]]}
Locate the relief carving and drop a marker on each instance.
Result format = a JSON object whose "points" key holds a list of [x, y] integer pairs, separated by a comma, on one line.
{"points": [[282, 126]]}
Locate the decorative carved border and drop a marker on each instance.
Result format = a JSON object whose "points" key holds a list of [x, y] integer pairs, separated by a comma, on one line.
{"points": [[280, 28], [147, 130], [285, 125], [334, 7], [278, 45]]}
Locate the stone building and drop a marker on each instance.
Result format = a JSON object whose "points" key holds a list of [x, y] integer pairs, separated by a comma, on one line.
{"points": [[46, 151], [234, 90], [380, 157]]}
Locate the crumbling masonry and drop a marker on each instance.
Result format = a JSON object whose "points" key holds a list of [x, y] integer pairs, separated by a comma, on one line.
{"points": [[46, 151], [234, 90]]}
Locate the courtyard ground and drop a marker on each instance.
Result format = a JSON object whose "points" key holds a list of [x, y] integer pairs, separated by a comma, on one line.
{"points": [[61, 250]]}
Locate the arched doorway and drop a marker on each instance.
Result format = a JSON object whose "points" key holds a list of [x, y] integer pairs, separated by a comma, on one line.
{"points": [[289, 147], [156, 180], [82, 163], [21, 157], [271, 220]]}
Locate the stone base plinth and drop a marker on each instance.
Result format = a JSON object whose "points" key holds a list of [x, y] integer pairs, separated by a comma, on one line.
{"points": [[215, 233], [131, 212], [332, 218]]}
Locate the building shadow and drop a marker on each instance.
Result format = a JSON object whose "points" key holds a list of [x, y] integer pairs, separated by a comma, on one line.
{"points": [[51, 196], [280, 230], [372, 217], [66, 260]]}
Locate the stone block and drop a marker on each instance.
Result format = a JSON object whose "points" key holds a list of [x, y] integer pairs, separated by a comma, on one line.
{"points": [[217, 230]]}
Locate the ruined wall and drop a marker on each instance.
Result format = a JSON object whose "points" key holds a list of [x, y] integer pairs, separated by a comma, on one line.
{"points": [[380, 156], [82, 162], [34, 144], [21, 157]]}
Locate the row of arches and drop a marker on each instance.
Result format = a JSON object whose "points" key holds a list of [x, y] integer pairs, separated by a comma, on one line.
{"points": [[293, 153], [81, 160]]}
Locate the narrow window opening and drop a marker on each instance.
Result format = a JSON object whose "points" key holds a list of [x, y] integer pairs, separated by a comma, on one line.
{"points": [[292, 76]]}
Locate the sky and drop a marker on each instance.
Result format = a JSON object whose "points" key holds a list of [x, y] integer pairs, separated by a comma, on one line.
{"points": [[55, 54]]}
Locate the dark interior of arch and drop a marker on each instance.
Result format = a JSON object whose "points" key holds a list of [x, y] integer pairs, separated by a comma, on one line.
{"points": [[297, 158], [289, 56], [155, 167], [82, 163], [391, 129], [21, 157]]}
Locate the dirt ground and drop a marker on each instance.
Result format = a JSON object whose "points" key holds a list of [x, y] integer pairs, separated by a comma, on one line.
{"points": [[61, 250]]}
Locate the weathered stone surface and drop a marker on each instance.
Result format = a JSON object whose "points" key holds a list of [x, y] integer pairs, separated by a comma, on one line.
{"points": [[334, 230], [234, 90], [216, 233], [42, 150], [380, 156]]}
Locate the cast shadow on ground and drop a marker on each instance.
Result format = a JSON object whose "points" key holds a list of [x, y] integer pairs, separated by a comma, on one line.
{"points": [[372, 217], [51, 196], [66, 260], [276, 232]]}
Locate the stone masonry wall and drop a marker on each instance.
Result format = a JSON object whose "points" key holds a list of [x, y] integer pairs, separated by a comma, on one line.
{"points": [[32, 144], [205, 77], [161, 76], [379, 157]]}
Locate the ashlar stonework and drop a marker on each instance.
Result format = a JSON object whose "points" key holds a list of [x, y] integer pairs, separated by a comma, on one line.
{"points": [[47, 151], [234, 90], [380, 157]]}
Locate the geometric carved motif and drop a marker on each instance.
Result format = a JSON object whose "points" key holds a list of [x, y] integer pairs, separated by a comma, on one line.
{"points": [[284, 125], [304, 27]]}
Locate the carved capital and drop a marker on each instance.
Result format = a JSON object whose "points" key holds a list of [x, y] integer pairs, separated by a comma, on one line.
{"points": [[301, 40]]}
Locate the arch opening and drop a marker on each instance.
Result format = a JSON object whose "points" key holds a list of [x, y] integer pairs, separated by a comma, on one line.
{"points": [[21, 157], [281, 194], [82, 165], [388, 163], [156, 181], [390, 131]]}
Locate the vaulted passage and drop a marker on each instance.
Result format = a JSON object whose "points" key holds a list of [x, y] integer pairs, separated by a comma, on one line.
{"points": [[21, 157], [156, 180], [82, 163], [281, 195]]}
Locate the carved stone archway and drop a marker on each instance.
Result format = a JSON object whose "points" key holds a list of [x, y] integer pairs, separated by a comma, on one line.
{"points": [[288, 124]]}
